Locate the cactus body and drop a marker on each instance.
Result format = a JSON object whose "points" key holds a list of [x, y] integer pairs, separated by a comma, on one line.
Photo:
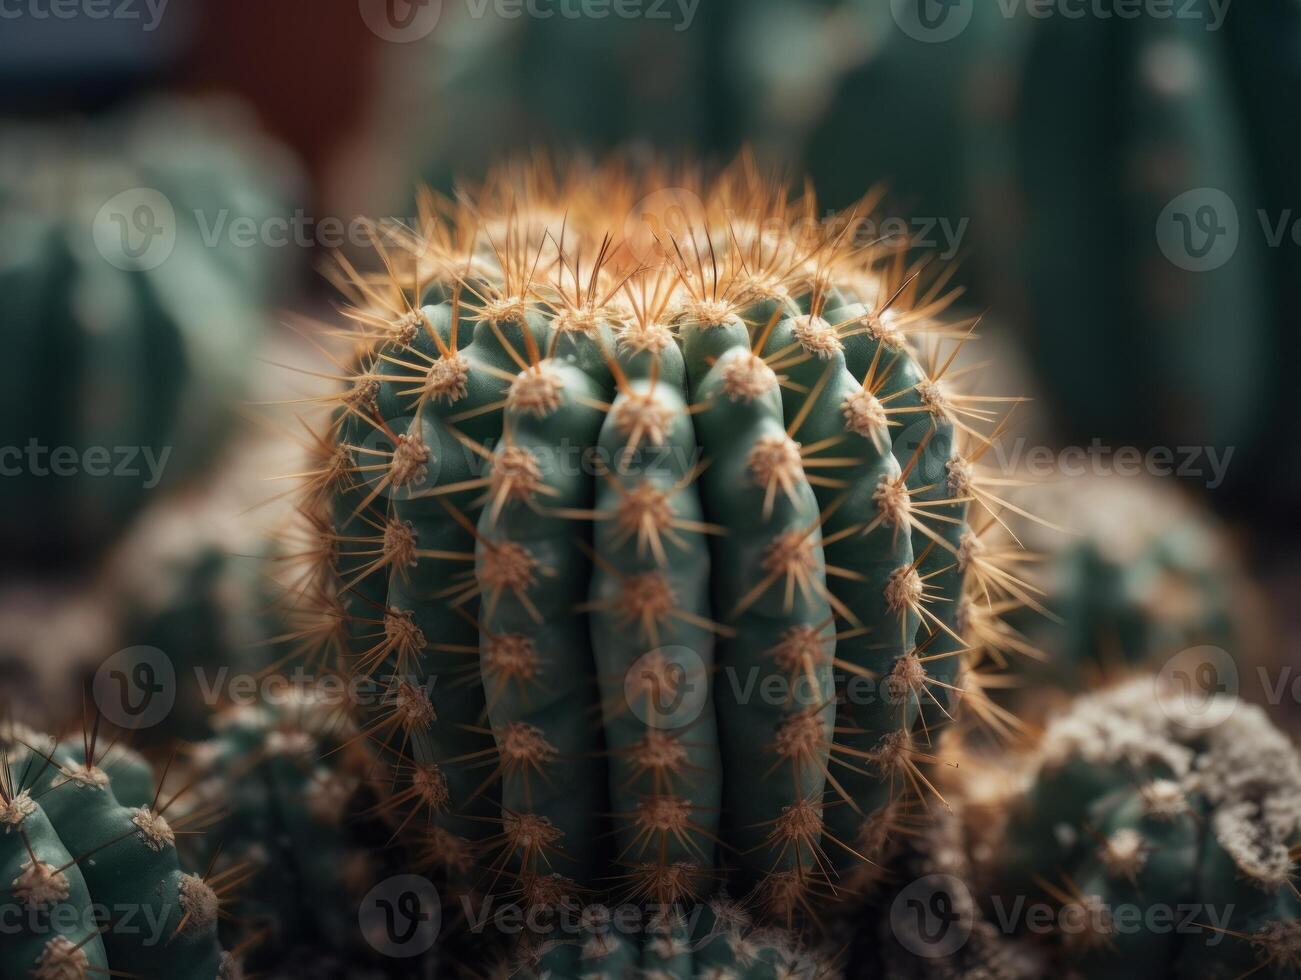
{"points": [[658, 547]]}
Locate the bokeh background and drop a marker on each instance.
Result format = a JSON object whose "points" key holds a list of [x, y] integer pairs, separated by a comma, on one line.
{"points": [[1117, 182]]}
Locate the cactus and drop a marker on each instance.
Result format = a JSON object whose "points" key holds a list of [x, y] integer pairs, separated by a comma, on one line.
{"points": [[90, 869], [285, 780], [129, 353], [1042, 172], [1132, 573], [1146, 797], [719, 941], [623, 526]]}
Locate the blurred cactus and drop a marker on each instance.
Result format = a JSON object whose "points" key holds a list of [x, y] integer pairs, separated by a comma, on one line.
{"points": [[284, 776], [131, 312], [1143, 798], [1131, 573], [1101, 124]]}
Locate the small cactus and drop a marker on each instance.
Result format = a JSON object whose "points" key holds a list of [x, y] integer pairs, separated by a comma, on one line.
{"points": [[1132, 573], [90, 873], [283, 779], [1143, 797]]}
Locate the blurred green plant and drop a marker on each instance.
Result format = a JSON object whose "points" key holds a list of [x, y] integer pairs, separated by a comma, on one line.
{"points": [[131, 315]]}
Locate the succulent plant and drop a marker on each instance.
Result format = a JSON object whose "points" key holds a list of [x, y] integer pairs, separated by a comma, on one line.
{"points": [[91, 878], [653, 551], [1131, 573], [132, 312], [1046, 157], [1145, 799], [285, 780]]}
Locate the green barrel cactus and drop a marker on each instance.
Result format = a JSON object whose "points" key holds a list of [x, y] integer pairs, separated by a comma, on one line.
{"points": [[133, 312], [1165, 826], [90, 874], [653, 550]]}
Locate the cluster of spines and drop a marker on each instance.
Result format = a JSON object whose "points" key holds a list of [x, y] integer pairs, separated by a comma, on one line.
{"points": [[792, 504]]}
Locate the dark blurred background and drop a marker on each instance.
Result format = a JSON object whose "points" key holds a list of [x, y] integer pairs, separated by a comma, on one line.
{"points": [[1118, 181]]}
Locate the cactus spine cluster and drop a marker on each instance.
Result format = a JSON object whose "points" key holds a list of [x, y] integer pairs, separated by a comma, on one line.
{"points": [[659, 547]]}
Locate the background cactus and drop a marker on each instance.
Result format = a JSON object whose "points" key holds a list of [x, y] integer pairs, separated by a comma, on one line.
{"points": [[118, 350], [286, 784], [91, 876], [659, 547], [1131, 572], [1145, 796], [1042, 174]]}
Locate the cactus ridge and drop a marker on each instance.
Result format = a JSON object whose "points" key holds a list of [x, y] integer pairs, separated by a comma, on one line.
{"points": [[624, 526]]}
